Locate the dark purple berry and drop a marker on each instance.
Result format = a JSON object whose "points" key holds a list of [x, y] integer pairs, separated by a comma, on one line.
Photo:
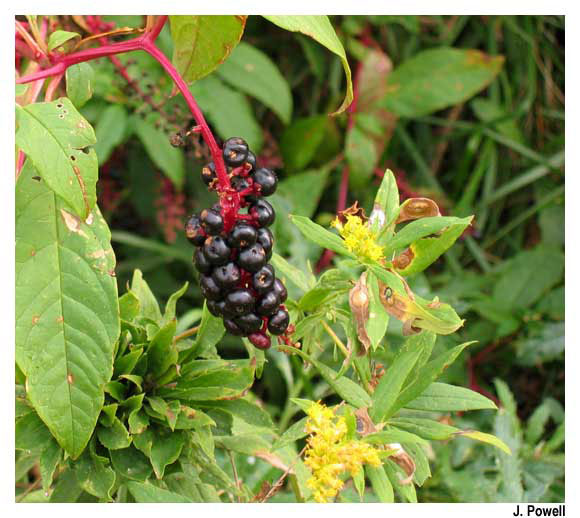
{"points": [[239, 183], [267, 180], [280, 290], [266, 239], [260, 340], [208, 174], [194, 231], [249, 323], [211, 221], [235, 151], [242, 235], [201, 262], [216, 250], [252, 258], [216, 307], [268, 304], [278, 323], [240, 302], [233, 328], [209, 288], [263, 212], [227, 276], [264, 278], [251, 159]]}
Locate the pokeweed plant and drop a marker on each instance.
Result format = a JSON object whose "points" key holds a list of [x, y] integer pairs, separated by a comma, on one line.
{"points": [[114, 404]]}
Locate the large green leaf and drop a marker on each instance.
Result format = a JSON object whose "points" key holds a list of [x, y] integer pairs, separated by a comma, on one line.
{"points": [[319, 235], [385, 206], [166, 157], [228, 110], [79, 83], [254, 73], [145, 492], [57, 139], [301, 140], [436, 78], [201, 43], [449, 398], [67, 313], [110, 128], [320, 29]]}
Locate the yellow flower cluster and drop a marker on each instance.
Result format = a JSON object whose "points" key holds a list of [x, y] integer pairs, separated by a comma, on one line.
{"points": [[359, 238], [328, 453]]}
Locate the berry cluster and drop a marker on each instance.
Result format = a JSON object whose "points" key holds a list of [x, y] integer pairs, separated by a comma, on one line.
{"points": [[233, 247]]}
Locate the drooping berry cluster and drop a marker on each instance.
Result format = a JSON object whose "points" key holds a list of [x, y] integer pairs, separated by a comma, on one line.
{"points": [[233, 247]]}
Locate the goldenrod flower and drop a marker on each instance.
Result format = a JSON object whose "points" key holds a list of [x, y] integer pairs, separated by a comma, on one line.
{"points": [[328, 454], [358, 237]]}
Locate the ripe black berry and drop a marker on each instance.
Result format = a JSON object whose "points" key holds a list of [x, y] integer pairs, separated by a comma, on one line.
{"points": [[194, 232], [280, 290], [260, 340], [208, 174], [209, 288], [239, 183], [264, 278], [227, 276], [266, 239], [252, 258], [235, 151], [242, 235], [216, 307], [211, 221], [240, 302], [263, 212], [251, 159], [278, 323], [267, 180], [250, 323], [216, 250], [201, 262], [233, 328], [268, 304]]}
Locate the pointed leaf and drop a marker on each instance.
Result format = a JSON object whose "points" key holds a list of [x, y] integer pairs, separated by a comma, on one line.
{"points": [[321, 236], [449, 398], [145, 493]]}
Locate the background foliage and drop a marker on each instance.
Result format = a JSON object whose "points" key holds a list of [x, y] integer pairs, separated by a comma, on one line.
{"points": [[468, 111]]}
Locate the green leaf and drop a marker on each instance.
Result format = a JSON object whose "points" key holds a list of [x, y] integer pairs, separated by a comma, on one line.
{"points": [[148, 302], [162, 352], [172, 302], [67, 312], [145, 492], [114, 437], [426, 375], [131, 464], [31, 434], [129, 306], [449, 398], [201, 43], [110, 129], [426, 428], [48, 462], [301, 140], [391, 383], [360, 153], [211, 331], [421, 228], [381, 484], [386, 205], [79, 84], [487, 438], [254, 73], [57, 139], [166, 157], [344, 387], [290, 272], [378, 321], [304, 190], [528, 276], [395, 475], [59, 38], [319, 235], [392, 435], [437, 78], [231, 380], [165, 450], [292, 434], [94, 475], [229, 111], [426, 251], [320, 29]]}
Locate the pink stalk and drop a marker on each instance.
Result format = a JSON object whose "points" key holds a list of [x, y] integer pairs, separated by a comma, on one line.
{"points": [[51, 88]]}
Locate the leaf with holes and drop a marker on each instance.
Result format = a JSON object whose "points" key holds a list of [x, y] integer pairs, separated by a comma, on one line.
{"points": [[201, 43], [57, 139], [67, 313]]}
